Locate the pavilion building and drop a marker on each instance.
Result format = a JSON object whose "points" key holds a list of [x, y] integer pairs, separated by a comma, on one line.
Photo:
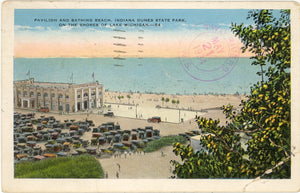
{"points": [[65, 97]]}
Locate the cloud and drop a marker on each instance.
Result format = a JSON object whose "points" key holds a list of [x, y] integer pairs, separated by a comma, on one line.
{"points": [[198, 26], [23, 28], [224, 24], [68, 28]]}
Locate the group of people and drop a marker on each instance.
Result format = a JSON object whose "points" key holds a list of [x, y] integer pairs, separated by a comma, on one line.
{"points": [[117, 172], [119, 154]]}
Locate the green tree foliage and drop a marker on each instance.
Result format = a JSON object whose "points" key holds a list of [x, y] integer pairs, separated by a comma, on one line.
{"points": [[128, 97], [255, 142], [162, 100]]}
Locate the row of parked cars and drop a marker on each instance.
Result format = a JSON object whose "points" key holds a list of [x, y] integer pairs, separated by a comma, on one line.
{"points": [[132, 139], [43, 137], [39, 138]]}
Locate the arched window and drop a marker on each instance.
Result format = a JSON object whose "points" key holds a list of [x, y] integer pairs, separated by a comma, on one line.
{"points": [[31, 94], [67, 96], [39, 94], [45, 94], [53, 95], [85, 94], [25, 93], [60, 96]]}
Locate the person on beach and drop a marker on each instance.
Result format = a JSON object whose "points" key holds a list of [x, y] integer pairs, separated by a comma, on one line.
{"points": [[119, 167], [106, 175], [117, 174]]}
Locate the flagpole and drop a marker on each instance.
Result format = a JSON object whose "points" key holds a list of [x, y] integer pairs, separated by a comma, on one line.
{"points": [[28, 74]]}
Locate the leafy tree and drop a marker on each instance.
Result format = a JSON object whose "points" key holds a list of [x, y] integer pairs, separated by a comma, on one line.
{"points": [[120, 97], [255, 142], [167, 99], [177, 102], [128, 97], [163, 100]]}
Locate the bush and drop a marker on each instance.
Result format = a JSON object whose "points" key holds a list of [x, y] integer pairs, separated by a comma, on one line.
{"points": [[83, 166], [164, 141]]}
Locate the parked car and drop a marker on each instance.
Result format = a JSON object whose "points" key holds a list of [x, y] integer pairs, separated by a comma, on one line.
{"points": [[109, 114], [43, 109], [154, 120]]}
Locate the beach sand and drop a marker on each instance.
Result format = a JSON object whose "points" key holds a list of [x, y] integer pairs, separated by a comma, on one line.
{"points": [[151, 165]]}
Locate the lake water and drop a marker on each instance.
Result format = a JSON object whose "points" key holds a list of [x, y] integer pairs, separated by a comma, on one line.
{"points": [[156, 75]]}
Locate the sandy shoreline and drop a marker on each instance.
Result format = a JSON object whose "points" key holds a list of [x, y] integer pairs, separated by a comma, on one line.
{"points": [[193, 102], [152, 165], [184, 107]]}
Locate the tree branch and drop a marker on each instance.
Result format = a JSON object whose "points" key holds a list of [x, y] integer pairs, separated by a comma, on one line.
{"points": [[226, 145]]}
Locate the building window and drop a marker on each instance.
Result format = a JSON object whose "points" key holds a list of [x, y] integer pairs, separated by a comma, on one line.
{"points": [[78, 96], [45, 94], [53, 95], [60, 106], [93, 93], [39, 94], [53, 106], [67, 107], [25, 93], [19, 92], [67, 96], [31, 94], [85, 94], [60, 96]]}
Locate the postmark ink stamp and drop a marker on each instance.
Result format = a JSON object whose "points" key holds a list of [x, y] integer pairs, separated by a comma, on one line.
{"points": [[200, 58]]}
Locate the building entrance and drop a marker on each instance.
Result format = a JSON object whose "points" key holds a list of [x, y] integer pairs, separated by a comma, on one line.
{"points": [[25, 104], [85, 104]]}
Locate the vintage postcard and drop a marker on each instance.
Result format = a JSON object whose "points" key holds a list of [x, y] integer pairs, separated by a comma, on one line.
{"points": [[150, 96]]}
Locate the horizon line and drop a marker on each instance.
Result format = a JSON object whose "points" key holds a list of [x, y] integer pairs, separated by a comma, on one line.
{"points": [[131, 57]]}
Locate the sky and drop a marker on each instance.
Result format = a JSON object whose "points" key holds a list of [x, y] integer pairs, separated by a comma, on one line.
{"points": [[44, 33]]}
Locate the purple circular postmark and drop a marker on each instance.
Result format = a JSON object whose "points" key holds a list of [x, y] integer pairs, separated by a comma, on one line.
{"points": [[211, 55]]}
